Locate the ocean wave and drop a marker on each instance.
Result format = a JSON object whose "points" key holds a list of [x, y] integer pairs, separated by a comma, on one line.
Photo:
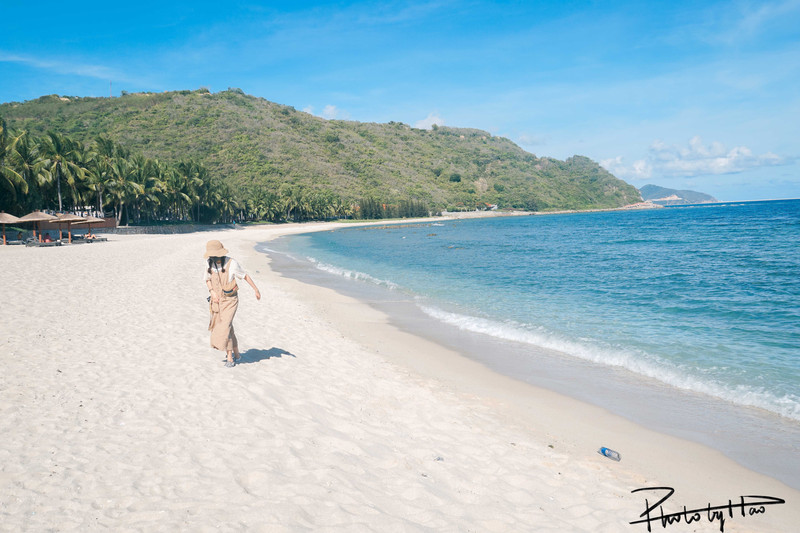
{"points": [[638, 362], [352, 274]]}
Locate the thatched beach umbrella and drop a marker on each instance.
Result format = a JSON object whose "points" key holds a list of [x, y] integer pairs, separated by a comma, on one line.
{"points": [[5, 218], [88, 221], [37, 216], [69, 218]]}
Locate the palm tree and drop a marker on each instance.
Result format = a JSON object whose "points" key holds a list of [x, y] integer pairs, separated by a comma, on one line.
{"points": [[60, 154], [26, 157], [145, 173], [83, 186], [260, 204], [292, 203], [11, 180], [195, 178], [228, 207], [176, 196], [105, 151], [157, 189], [341, 209], [214, 199], [122, 186]]}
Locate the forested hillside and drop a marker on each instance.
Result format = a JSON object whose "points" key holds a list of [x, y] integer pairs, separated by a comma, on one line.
{"points": [[256, 146]]}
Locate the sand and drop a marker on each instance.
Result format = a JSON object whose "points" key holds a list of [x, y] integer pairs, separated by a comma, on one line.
{"points": [[115, 414]]}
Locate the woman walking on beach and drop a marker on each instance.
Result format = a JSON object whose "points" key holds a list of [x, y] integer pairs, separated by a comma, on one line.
{"points": [[220, 276]]}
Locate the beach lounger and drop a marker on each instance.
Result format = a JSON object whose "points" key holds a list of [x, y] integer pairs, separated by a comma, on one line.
{"points": [[43, 244]]}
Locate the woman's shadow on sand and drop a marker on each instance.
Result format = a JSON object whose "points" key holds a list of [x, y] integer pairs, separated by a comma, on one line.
{"points": [[255, 356]]}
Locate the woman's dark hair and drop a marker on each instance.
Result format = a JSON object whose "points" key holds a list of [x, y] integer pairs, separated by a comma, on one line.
{"points": [[212, 260]]}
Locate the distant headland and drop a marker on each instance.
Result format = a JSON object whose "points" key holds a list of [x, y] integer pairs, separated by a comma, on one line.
{"points": [[663, 196]]}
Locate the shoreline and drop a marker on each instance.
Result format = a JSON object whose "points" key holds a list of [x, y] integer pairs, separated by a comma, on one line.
{"points": [[117, 415], [519, 397], [740, 432]]}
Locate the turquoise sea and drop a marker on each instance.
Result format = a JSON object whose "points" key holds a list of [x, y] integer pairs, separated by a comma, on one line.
{"points": [[702, 299]]}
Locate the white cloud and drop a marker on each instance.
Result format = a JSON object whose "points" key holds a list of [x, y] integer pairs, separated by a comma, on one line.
{"points": [[639, 170], [526, 139], [756, 18], [428, 122], [330, 112], [64, 67], [696, 159]]}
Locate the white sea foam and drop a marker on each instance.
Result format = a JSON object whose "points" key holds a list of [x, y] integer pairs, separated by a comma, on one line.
{"points": [[352, 274], [638, 362]]}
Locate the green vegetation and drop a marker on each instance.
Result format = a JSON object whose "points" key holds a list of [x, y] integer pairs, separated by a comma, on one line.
{"points": [[241, 157], [57, 172]]}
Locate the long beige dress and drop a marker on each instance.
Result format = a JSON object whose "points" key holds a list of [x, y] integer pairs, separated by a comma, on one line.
{"points": [[222, 312]]}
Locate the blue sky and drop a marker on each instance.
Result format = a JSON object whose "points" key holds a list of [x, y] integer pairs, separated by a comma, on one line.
{"points": [[695, 95]]}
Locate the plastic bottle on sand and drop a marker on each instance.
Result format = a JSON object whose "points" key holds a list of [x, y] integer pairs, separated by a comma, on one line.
{"points": [[611, 454]]}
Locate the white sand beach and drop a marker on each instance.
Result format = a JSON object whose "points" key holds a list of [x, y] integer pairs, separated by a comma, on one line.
{"points": [[115, 414]]}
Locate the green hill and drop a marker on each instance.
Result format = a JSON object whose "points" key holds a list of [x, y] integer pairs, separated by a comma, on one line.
{"points": [[251, 142]]}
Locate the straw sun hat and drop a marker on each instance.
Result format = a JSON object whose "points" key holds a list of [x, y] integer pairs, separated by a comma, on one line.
{"points": [[215, 249]]}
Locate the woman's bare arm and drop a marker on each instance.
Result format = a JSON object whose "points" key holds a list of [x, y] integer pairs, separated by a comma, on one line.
{"points": [[249, 280]]}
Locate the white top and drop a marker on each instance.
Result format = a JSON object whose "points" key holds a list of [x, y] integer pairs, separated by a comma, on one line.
{"points": [[232, 267]]}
